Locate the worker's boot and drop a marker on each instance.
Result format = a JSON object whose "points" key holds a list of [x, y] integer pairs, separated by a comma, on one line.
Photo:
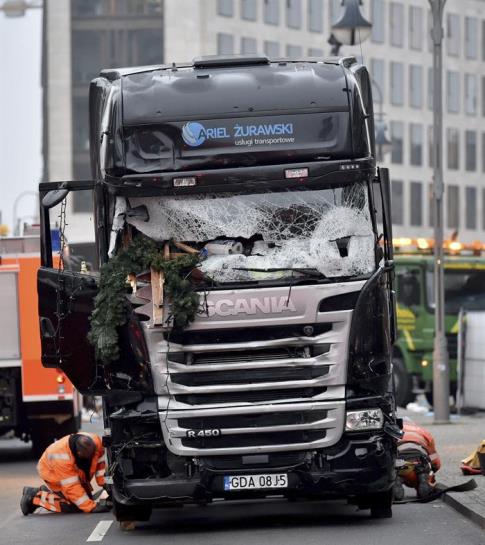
{"points": [[26, 502], [398, 489], [425, 489]]}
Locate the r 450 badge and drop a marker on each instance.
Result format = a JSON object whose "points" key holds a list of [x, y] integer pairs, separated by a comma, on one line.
{"points": [[203, 433]]}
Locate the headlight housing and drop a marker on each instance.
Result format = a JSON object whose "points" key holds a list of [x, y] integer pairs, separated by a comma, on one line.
{"points": [[366, 419]]}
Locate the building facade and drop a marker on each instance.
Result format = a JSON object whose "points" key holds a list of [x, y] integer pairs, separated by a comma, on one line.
{"points": [[83, 36]]}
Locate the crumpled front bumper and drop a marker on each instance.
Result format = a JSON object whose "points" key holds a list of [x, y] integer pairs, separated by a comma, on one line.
{"points": [[358, 465]]}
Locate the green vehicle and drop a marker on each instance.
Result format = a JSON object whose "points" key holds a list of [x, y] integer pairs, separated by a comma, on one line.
{"points": [[413, 351]]}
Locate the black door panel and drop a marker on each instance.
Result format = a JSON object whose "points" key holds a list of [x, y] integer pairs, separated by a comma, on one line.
{"points": [[65, 345]]}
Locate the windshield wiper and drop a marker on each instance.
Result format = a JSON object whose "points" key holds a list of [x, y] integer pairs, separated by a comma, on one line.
{"points": [[309, 272]]}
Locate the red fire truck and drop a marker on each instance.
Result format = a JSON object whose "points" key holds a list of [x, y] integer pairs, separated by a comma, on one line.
{"points": [[36, 404]]}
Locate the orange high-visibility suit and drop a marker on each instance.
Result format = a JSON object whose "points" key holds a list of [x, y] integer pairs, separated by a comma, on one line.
{"points": [[69, 486], [420, 441]]}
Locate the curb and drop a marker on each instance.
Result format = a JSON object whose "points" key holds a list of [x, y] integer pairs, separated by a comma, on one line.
{"points": [[465, 508]]}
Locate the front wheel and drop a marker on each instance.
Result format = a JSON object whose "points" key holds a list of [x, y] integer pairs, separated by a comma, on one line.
{"points": [[381, 505], [131, 513]]}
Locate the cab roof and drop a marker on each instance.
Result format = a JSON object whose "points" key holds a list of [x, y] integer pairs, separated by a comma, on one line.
{"points": [[236, 85]]}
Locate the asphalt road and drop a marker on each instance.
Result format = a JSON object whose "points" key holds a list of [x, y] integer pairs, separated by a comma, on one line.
{"points": [[262, 523]]}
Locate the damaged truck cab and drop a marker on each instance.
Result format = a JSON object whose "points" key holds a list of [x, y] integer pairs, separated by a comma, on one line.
{"points": [[263, 173]]}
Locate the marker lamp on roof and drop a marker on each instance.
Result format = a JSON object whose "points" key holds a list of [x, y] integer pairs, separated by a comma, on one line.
{"points": [[296, 173], [187, 181], [368, 419], [350, 166]]}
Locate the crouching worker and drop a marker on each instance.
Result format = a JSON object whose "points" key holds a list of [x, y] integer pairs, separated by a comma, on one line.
{"points": [[67, 467], [419, 462]]}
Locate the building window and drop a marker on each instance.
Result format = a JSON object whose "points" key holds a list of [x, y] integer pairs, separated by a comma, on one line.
{"points": [[397, 24], [397, 202], [106, 8], [453, 148], [453, 206], [483, 151], [315, 15], [415, 28], [377, 18], [470, 208], [378, 81], [80, 126], [293, 13], [334, 11], [416, 203], [272, 12], [429, 21], [293, 51], [225, 7], [397, 140], [225, 44], [483, 40], [483, 209], [470, 151], [453, 34], [470, 94], [315, 52], [416, 144], [87, 50], [430, 88], [431, 205], [453, 91], [248, 46], [430, 146], [471, 38], [397, 84], [416, 86], [145, 47], [249, 10], [483, 96], [271, 49]]}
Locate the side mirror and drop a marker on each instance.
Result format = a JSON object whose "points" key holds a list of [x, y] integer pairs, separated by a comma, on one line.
{"points": [[385, 187], [54, 197]]}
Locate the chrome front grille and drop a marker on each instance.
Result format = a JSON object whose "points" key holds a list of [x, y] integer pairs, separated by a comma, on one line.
{"points": [[212, 371], [262, 384], [245, 430]]}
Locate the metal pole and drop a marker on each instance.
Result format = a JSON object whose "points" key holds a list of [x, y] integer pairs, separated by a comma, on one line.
{"points": [[441, 372]]}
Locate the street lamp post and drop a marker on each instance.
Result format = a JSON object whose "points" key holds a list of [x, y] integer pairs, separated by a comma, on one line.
{"points": [[441, 372], [350, 28]]}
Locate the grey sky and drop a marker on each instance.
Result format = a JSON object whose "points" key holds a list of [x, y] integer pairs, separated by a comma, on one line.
{"points": [[20, 112]]}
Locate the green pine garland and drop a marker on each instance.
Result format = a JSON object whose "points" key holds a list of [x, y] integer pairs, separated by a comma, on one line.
{"points": [[111, 307]]}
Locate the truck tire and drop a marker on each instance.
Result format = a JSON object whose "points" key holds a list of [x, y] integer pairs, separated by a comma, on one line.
{"points": [[403, 382], [381, 505], [45, 431], [131, 513]]}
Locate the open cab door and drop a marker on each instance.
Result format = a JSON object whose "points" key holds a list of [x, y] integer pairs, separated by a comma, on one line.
{"points": [[67, 281]]}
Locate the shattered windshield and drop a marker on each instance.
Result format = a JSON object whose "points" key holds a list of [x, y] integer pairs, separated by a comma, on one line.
{"points": [[241, 236]]}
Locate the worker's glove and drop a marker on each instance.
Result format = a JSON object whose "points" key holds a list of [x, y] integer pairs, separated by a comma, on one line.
{"points": [[101, 507]]}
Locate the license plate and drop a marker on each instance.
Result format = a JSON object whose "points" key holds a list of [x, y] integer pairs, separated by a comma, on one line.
{"points": [[255, 482]]}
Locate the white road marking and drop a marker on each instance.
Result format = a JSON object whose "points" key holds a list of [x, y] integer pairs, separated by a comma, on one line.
{"points": [[100, 531]]}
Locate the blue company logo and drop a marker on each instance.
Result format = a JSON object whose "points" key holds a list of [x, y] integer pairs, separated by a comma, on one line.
{"points": [[195, 134]]}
